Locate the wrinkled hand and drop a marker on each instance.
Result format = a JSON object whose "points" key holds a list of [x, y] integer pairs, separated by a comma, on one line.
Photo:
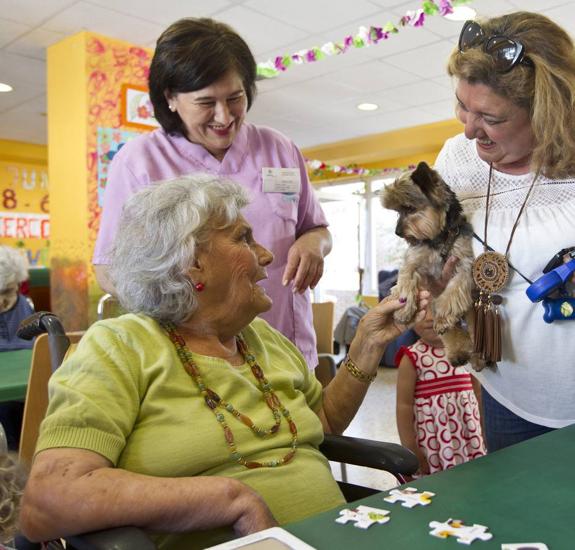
{"points": [[378, 327], [437, 286], [255, 517], [305, 261]]}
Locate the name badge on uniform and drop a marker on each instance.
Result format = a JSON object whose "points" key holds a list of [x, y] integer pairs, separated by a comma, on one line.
{"points": [[281, 180]]}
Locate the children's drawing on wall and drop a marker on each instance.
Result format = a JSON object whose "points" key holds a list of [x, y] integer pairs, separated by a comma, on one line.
{"points": [[137, 109], [110, 141]]}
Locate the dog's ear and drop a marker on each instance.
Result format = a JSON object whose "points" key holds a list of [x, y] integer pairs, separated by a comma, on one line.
{"points": [[424, 177]]}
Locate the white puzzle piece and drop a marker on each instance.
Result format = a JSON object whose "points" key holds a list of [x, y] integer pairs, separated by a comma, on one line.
{"points": [[465, 534], [363, 516], [409, 497]]}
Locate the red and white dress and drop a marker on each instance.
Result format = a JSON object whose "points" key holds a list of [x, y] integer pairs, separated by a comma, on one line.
{"points": [[446, 409]]}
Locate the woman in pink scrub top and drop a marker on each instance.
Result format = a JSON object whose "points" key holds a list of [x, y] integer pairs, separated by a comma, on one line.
{"points": [[202, 83]]}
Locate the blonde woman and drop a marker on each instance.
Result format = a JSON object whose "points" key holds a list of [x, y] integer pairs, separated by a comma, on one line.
{"points": [[513, 170]]}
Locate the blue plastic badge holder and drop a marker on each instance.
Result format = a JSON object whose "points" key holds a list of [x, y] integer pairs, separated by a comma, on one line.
{"points": [[551, 281], [556, 309]]}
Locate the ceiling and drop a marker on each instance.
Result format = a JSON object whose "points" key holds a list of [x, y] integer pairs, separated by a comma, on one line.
{"points": [[313, 103]]}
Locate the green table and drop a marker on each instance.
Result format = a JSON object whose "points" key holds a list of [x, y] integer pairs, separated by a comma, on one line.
{"points": [[14, 371], [525, 493]]}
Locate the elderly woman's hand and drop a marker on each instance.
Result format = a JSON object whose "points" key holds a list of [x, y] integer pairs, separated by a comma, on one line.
{"points": [[63, 479], [305, 259], [344, 394], [377, 327]]}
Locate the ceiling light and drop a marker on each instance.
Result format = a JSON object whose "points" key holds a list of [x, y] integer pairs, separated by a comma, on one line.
{"points": [[367, 107], [461, 13], [5, 87]]}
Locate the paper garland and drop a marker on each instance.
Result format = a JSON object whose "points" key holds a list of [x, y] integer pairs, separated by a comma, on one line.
{"points": [[319, 169], [364, 38]]}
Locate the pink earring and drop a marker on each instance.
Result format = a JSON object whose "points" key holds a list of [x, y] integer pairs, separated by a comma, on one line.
{"points": [[199, 286], [172, 108]]}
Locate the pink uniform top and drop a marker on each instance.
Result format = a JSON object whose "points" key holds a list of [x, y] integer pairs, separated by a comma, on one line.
{"points": [[277, 219]]}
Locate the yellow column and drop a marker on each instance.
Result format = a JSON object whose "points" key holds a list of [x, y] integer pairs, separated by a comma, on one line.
{"points": [[70, 249], [87, 74]]}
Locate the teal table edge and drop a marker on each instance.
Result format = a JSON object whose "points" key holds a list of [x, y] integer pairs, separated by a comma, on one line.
{"points": [[14, 372], [524, 493]]}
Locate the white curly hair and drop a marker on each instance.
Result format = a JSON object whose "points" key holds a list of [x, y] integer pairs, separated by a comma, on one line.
{"points": [[12, 480], [13, 266]]}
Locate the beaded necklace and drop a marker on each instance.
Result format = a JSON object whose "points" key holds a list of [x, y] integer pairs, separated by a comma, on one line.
{"points": [[214, 401]]}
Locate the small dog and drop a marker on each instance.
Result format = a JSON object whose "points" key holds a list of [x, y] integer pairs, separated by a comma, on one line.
{"points": [[431, 220]]}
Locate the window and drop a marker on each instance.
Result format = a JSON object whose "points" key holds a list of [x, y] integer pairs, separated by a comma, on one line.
{"points": [[364, 241]]}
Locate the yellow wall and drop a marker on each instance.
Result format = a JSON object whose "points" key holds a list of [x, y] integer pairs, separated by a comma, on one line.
{"points": [[24, 201]]}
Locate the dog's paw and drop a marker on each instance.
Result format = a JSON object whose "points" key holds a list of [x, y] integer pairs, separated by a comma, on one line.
{"points": [[442, 324], [458, 346], [477, 364], [406, 314], [445, 316], [458, 357]]}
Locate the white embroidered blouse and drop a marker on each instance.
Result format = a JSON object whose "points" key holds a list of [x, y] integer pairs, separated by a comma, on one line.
{"points": [[536, 377]]}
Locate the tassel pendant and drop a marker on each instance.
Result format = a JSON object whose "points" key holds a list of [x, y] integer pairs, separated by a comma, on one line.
{"points": [[489, 334], [479, 326], [497, 336], [487, 330]]}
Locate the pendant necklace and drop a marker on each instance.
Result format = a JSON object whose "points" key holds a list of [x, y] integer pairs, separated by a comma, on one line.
{"points": [[218, 405], [491, 274]]}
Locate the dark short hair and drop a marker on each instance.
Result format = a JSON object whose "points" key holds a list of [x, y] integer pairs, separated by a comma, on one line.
{"points": [[192, 54]]}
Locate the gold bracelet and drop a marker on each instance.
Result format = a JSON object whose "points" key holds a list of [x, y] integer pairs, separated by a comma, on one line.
{"points": [[356, 372]]}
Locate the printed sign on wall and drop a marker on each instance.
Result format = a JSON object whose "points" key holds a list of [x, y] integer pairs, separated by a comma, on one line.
{"points": [[24, 210]]}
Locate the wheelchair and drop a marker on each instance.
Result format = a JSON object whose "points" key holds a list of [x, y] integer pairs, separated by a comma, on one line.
{"points": [[389, 457]]}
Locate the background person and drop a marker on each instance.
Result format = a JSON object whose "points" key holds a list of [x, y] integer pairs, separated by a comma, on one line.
{"points": [[202, 83], [190, 413], [13, 308], [516, 97]]}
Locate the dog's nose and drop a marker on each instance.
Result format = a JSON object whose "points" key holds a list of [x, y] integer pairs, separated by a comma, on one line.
{"points": [[398, 230]]}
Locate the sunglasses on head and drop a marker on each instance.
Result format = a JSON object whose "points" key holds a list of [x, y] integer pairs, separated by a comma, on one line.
{"points": [[506, 52]]}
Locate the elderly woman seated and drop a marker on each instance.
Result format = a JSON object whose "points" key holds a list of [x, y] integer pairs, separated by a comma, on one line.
{"points": [[190, 413]]}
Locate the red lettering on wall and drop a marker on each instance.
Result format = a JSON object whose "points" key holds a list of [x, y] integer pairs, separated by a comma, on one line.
{"points": [[24, 226]]}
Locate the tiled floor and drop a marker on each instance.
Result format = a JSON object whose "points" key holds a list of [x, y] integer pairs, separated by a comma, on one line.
{"points": [[374, 420]]}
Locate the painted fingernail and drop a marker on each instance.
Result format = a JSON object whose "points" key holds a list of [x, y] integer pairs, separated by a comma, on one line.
{"points": [[403, 300]]}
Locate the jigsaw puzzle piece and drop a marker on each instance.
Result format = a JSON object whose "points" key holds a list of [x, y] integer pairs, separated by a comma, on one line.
{"points": [[409, 497], [466, 534], [363, 516]]}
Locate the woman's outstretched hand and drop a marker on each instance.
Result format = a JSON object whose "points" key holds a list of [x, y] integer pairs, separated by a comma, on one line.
{"points": [[378, 327]]}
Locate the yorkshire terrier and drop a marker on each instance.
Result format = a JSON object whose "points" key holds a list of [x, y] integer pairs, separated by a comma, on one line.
{"points": [[432, 222]]}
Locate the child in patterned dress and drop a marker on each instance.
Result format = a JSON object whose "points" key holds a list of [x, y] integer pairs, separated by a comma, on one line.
{"points": [[437, 407]]}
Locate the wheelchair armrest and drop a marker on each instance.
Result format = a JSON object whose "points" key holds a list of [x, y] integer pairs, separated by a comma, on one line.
{"points": [[119, 538], [390, 457]]}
